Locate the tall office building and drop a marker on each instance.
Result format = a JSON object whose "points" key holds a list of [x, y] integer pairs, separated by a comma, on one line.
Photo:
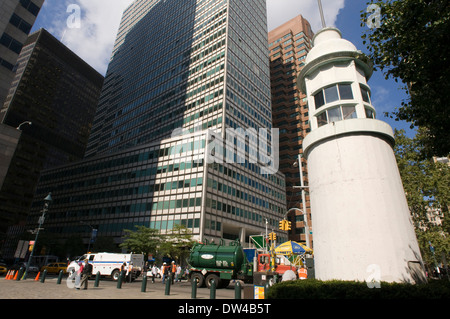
{"points": [[57, 92], [16, 20], [183, 76], [289, 44]]}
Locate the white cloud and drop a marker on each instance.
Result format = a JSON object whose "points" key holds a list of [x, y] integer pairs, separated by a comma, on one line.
{"points": [[93, 41], [281, 11]]}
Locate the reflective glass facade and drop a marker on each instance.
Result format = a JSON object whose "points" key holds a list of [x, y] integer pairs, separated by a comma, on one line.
{"points": [[58, 92], [197, 67], [288, 46]]}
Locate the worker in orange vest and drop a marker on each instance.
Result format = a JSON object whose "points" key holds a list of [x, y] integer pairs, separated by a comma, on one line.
{"points": [[173, 270], [302, 273]]}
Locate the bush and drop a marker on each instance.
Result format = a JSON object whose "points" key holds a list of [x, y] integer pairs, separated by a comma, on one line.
{"points": [[337, 289]]}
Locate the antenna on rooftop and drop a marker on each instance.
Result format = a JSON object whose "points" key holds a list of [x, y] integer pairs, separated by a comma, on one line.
{"points": [[321, 14]]}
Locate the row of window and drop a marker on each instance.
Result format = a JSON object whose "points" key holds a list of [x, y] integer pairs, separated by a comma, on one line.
{"points": [[170, 224], [176, 203], [11, 43], [30, 6], [301, 34], [341, 112], [337, 92], [222, 187], [118, 227], [233, 210], [20, 23], [251, 182]]}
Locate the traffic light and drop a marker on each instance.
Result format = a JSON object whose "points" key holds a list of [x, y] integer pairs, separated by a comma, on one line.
{"points": [[288, 225], [272, 236], [285, 225]]}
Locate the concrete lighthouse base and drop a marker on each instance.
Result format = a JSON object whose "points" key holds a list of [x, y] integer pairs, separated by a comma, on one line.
{"points": [[362, 226]]}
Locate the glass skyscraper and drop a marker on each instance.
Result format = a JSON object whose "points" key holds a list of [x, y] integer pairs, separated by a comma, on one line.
{"points": [[52, 100], [184, 76]]}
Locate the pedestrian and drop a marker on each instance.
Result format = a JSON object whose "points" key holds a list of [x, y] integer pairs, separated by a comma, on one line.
{"points": [[78, 275], [302, 273], [154, 272], [85, 274], [173, 270], [123, 270], [165, 272], [178, 274], [130, 272]]}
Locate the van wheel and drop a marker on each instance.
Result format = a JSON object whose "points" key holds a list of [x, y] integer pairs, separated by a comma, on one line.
{"points": [[115, 274]]}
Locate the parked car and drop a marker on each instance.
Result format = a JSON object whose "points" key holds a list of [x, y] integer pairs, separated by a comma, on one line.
{"points": [[3, 270], [55, 268]]}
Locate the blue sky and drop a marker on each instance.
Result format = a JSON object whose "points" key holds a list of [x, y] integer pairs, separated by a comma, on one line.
{"points": [[99, 21]]}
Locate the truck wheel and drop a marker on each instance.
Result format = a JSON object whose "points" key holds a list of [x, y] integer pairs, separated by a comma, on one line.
{"points": [[212, 277], [200, 279], [115, 274]]}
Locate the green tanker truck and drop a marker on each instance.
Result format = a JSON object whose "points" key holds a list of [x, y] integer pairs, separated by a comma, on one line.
{"points": [[223, 263]]}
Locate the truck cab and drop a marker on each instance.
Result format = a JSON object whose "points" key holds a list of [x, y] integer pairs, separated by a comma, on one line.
{"points": [[264, 264]]}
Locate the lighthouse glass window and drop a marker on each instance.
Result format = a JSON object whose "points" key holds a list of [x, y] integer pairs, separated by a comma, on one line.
{"points": [[341, 91]]}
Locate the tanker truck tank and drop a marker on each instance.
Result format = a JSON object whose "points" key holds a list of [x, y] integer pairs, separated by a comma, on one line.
{"points": [[218, 262]]}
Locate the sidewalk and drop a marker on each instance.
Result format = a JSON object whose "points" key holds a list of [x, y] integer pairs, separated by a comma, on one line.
{"points": [[30, 289]]}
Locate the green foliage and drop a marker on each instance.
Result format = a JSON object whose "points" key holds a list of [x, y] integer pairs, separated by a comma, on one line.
{"points": [[411, 45], [176, 244], [338, 289], [144, 240], [426, 185]]}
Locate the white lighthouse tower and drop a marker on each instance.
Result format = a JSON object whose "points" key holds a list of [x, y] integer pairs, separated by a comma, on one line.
{"points": [[362, 226]]}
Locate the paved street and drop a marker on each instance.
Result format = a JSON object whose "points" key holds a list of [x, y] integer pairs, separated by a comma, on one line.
{"points": [[31, 289]]}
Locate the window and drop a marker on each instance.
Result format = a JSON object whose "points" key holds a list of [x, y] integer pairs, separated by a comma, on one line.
{"points": [[333, 93], [319, 99], [348, 112], [345, 92], [322, 119], [369, 113], [365, 95], [335, 114]]}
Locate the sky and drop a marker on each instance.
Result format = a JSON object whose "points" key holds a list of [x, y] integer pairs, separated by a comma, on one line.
{"points": [[89, 27]]}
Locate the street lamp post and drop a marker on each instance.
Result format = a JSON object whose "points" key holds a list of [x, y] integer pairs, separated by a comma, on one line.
{"points": [[302, 186], [20, 126], [47, 201]]}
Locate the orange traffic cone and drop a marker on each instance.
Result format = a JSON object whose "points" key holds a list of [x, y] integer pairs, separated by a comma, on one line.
{"points": [[15, 276], [37, 277], [7, 275], [11, 274]]}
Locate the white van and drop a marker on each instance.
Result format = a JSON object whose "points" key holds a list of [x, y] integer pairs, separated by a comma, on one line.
{"points": [[108, 264]]}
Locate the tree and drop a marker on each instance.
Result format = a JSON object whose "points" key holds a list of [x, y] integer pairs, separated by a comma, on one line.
{"points": [[144, 240], [426, 185], [177, 243], [410, 43]]}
